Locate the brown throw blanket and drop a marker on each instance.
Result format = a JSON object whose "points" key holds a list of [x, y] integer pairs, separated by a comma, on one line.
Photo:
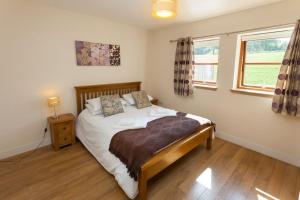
{"points": [[135, 146]]}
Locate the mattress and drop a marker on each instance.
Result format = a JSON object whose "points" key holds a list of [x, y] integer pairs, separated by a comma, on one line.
{"points": [[95, 133]]}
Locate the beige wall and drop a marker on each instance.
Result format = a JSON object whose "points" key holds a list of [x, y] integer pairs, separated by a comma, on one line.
{"points": [[37, 60], [243, 119]]}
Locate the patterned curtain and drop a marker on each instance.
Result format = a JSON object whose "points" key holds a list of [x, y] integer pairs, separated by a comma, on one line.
{"points": [[184, 67], [286, 98]]}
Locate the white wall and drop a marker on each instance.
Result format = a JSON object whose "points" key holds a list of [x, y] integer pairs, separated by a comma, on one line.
{"points": [[243, 119], [37, 60]]}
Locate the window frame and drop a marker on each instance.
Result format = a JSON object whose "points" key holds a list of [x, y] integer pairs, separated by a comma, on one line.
{"points": [[208, 84], [242, 64]]}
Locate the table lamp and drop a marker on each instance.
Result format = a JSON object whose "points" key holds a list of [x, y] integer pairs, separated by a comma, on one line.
{"points": [[52, 102]]}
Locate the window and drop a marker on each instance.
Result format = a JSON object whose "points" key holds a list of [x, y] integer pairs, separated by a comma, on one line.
{"points": [[206, 55], [261, 55]]}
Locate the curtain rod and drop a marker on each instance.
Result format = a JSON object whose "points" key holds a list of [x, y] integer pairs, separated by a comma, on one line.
{"points": [[240, 31]]}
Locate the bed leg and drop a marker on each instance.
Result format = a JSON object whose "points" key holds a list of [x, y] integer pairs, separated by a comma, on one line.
{"points": [[209, 140], [142, 186]]}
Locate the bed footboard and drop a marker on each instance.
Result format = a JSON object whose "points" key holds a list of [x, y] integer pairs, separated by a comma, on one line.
{"points": [[171, 154]]}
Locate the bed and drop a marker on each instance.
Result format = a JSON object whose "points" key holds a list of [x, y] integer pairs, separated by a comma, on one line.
{"points": [[95, 133]]}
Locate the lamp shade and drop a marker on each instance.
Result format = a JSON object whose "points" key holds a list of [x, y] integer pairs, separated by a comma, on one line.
{"points": [[164, 8], [52, 101]]}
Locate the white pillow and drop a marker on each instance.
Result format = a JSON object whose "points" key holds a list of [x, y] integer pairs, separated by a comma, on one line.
{"points": [[95, 105], [90, 108], [124, 102], [130, 100], [150, 97]]}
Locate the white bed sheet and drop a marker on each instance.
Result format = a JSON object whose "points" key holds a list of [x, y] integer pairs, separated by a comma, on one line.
{"points": [[95, 132]]}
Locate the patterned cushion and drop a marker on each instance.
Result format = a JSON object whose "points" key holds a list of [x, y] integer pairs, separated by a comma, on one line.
{"points": [[141, 99], [111, 105]]}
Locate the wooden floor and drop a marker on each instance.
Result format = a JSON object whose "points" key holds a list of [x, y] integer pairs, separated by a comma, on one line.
{"points": [[226, 172]]}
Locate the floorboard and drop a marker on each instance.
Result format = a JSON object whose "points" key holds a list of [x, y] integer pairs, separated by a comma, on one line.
{"points": [[227, 172]]}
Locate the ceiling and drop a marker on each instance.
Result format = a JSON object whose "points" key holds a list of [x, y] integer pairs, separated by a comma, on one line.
{"points": [[138, 12]]}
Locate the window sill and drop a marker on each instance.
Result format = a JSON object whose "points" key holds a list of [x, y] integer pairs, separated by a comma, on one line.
{"points": [[253, 92], [207, 87]]}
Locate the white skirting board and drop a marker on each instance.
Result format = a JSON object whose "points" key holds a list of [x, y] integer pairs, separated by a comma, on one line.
{"points": [[236, 140], [259, 148], [24, 148]]}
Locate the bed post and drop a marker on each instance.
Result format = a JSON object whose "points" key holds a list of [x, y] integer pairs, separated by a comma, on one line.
{"points": [[209, 139], [142, 186]]}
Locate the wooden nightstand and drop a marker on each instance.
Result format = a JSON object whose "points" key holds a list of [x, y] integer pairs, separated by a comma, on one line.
{"points": [[62, 130], [154, 101]]}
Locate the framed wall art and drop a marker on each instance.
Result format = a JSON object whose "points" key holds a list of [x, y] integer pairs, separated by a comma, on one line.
{"points": [[97, 54]]}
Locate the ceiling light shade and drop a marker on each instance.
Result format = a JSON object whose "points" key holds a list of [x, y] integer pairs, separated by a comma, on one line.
{"points": [[164, 8]]}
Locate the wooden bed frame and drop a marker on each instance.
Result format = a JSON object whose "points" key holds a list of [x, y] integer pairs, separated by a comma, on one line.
{"points": [[164, 158]]}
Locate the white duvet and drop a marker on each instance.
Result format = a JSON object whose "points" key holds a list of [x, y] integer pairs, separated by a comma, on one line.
{"points": [[96, 131]]}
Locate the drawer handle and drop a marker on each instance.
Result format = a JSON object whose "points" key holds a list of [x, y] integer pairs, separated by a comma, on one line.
{"points": [[65, 138], [64, 128]]}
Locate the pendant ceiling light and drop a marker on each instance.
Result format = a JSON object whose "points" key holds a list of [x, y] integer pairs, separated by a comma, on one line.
{"points": [[164, 8]]}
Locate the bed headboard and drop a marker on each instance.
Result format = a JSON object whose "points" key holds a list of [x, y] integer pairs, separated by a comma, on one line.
{"points": [[84, 93]]}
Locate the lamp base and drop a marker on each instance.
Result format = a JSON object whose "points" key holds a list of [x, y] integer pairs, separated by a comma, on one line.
{"points": [[55, 114]]}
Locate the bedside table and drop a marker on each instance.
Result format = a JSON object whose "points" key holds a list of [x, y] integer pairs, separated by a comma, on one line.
{"points": [[62, 130], [154, 101]]}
